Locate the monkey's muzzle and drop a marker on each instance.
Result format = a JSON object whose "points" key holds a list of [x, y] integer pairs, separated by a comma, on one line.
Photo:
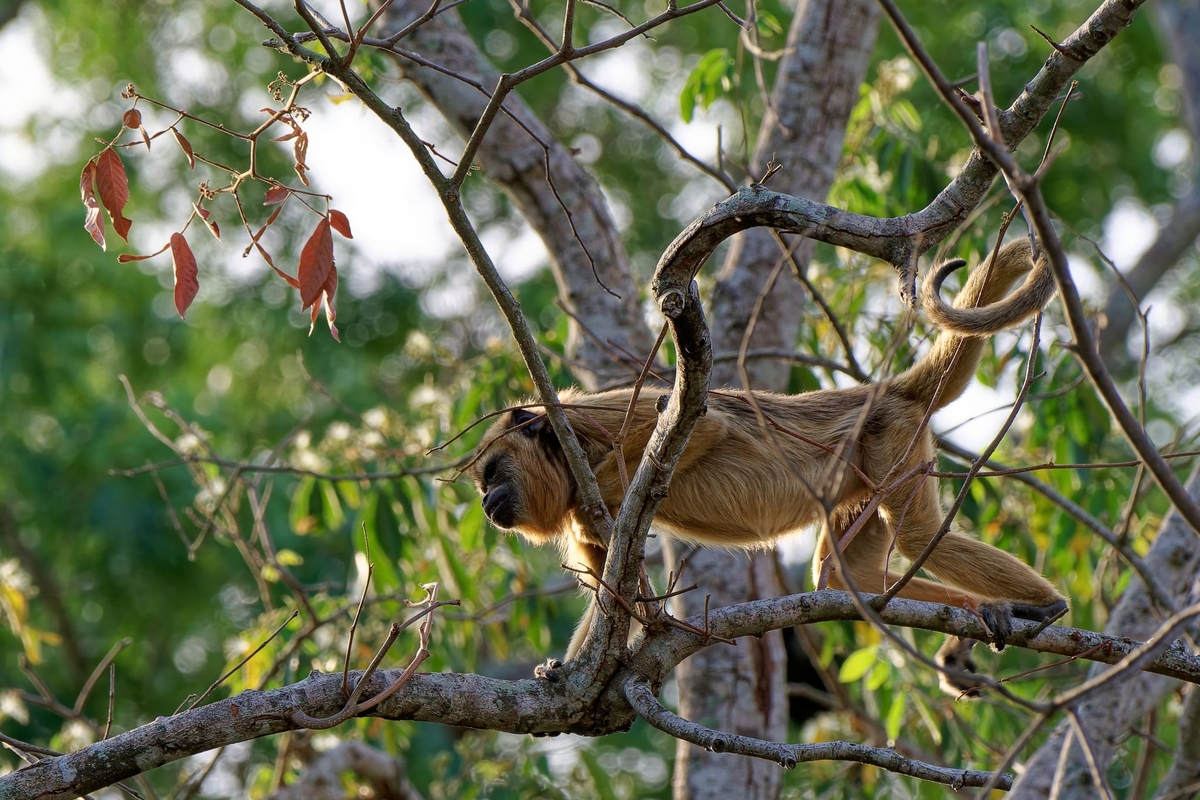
{"points": [[500, 507]]}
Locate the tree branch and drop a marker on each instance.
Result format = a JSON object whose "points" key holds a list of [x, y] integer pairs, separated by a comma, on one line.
{"points": [[522, 706], [641, 697]]}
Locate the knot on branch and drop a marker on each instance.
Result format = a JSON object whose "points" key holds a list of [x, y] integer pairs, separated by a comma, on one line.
{"points": [[671, 304]]}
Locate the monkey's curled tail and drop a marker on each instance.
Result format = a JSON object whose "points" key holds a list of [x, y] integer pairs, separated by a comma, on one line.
{"points": [[983, 308]]}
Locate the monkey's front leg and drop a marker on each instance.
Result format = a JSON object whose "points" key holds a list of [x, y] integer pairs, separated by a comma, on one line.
{"points": [[588, 559]]}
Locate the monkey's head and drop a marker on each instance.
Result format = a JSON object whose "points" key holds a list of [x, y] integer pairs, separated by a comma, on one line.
{"points": [[520, 472]]}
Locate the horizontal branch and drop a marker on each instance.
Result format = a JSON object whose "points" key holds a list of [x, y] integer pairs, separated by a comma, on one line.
{"points": [[759, 616], [641, 697], [520, 706]]}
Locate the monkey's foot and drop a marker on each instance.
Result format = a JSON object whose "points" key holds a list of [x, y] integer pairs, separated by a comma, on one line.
{"points": [[998, 617], [549, 670], [955, 655]]}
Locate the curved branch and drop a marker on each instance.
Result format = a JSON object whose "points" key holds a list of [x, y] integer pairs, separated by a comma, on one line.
{"points": [[641, 697]]}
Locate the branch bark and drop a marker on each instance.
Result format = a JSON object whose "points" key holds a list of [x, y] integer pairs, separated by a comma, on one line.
{"points": [[522, 706]]}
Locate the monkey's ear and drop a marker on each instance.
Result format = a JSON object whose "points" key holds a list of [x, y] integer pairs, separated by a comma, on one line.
{"points": [[531, 423]]}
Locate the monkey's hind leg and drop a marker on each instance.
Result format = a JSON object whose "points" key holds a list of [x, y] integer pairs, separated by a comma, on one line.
{"points": [[998, 584], [866, 559]]}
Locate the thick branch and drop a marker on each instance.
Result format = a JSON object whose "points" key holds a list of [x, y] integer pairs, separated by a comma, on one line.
{"points": [[523, 706]]}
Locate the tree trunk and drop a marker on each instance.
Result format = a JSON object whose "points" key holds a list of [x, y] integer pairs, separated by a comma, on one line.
{"points": [[742, 689], [1108, 714], [1179, 28], [585, 248]]}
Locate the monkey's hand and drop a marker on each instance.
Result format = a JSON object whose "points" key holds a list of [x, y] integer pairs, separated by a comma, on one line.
{"points": [[549, 670]]}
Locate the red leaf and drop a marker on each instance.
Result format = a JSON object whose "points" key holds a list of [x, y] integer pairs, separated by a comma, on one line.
{"points": [[113, 188], [316, 262], [270, 221], [94, 223], [186, 146], [327, 292], [300, 151], [339, 222], [125, 258], [132, 118], [186, 284], [330, 311], [212, 226], [292, 282], [276, 194]]}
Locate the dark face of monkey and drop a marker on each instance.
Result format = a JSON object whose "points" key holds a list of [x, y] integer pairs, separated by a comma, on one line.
{"points": [[522, 477]]}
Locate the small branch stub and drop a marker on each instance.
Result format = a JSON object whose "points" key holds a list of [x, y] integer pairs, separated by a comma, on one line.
{"points": [[672, 304]]}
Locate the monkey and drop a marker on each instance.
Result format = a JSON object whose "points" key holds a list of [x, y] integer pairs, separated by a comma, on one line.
{"points": [[738, 485]]}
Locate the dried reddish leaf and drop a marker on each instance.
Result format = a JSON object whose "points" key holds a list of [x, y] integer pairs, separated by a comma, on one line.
{"points": [[327, 292], [292, 282], [186, 283], [300, 151], [125, 258], [330, 311], [213, 228], [316, 262], [186, 147], [132, 118], [339, 222], [94, 223], [276, 194], [270, 221], [145, 137], [113, 187]]}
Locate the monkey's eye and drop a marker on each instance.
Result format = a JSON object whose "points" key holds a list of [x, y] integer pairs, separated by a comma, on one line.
{"points": [[489, 472]]}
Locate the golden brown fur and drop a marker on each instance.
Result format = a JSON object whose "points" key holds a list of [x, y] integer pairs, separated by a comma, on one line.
{"points": [[740, 485]]}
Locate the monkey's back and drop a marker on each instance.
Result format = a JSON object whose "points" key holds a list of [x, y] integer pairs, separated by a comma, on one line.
{"points": [[758, 465]]}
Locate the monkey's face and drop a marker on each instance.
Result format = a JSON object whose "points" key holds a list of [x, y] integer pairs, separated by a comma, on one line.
{"points": [[522, 477]]}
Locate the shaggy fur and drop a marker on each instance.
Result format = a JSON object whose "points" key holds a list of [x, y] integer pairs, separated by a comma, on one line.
{"points": [[742, 484]]}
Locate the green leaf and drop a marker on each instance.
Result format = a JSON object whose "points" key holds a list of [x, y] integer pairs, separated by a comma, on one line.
{"points": [[289, 558], [857, 663], [879, 675], [895, 716], [333, 516], [300, 513], [711, 76], [904, 113], [769, 24]]}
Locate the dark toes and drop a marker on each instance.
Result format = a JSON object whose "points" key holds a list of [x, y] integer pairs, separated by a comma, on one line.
{"points": [[548, 671], [998, 619]]}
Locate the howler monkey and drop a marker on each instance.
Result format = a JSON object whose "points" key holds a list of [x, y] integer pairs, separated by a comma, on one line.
{"points": [[739, 484]]}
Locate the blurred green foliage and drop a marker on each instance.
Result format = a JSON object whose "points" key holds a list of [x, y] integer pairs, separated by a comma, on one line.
{"points": [[94, 555]]}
